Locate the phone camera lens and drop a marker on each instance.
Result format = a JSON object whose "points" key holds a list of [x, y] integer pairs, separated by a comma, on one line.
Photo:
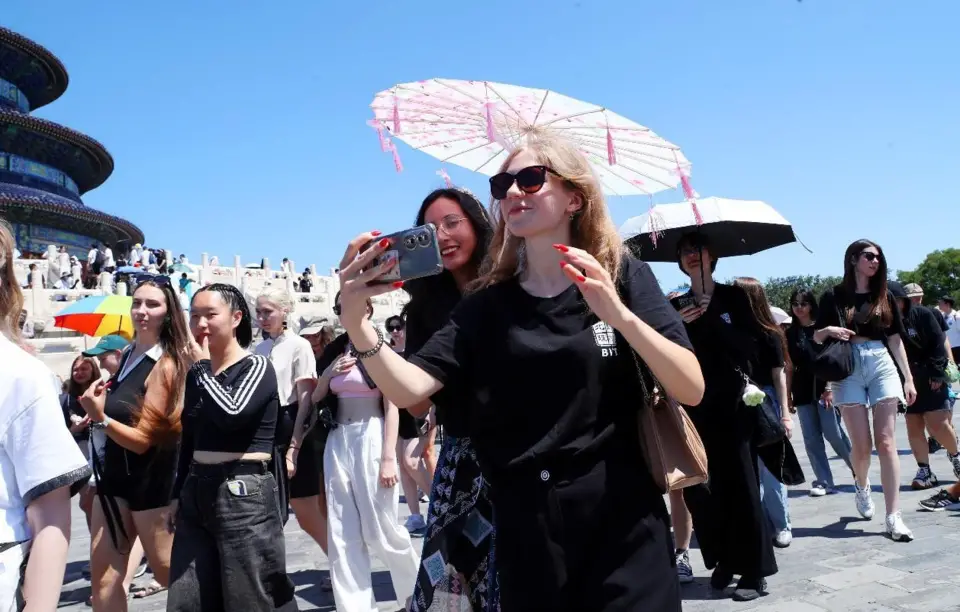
{"points": [[410, 242], [423, 238]]}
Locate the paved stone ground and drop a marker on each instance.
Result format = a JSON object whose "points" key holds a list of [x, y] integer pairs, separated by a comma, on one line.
{"points": [[837, 561]]}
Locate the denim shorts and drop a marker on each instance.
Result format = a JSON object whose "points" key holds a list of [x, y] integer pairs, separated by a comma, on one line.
{"points": [[874, 377]]}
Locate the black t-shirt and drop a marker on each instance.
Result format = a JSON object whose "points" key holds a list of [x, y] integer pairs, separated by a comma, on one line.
{"points": [[541, 380], [71, 407], [939, 317], [860, 320], [727, 337], [925, 344], [805, 388], [769, 356]]}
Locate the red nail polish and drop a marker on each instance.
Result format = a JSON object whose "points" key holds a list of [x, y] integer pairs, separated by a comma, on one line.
{"points": [[563, 264], [384, 243], [375, 233], [561, 248], [398, 284], [581, 278]]}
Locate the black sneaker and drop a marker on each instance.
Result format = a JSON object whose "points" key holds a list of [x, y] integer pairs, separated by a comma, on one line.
{"points": [[749, 589], [933, 445], [940, 502]]}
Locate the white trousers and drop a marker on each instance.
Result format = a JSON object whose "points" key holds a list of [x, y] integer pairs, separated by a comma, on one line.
{"points": [[10, 561], [363, 519]]}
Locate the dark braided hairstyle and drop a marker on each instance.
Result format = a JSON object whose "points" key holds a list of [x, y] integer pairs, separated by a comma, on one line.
{"points": [[233, 298]]}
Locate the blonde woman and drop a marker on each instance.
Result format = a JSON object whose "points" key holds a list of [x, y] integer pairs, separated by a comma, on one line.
{"points": [[539, 357], [292, 358], [39, 462]]}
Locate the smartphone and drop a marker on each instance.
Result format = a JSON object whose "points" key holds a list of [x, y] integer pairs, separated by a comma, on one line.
{"points": [[680, 302], [416, 251]]}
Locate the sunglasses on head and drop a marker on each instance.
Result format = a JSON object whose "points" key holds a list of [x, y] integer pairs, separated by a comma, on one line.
{"points": [[529, 180], [869, 256], [157, 279]]}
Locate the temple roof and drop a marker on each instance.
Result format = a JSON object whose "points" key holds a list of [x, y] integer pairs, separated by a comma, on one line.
{"points": [[28, 205], [82, 158], [33, 69]]}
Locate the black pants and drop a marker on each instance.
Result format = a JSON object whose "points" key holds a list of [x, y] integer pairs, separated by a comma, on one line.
{"points": [[228, 551], [597, 541]]}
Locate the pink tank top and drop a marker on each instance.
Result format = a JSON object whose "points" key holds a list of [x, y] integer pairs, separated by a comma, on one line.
{"points": [[352, 384]]}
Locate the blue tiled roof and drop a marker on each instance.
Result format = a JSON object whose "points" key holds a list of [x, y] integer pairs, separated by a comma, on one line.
{"points": [[29, 195], [36, 71]]}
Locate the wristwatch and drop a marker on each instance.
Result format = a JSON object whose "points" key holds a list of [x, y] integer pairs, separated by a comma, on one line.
{"points": [[100, 424]]}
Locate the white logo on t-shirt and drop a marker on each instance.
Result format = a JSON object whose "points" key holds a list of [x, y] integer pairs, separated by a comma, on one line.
{"points": [[605, 338], [726, 317]]}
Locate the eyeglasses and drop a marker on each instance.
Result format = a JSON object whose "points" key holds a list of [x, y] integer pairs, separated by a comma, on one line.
{"points": [[529, 180], [800, 304], [394, 328], [870, 256], [449, 224]]}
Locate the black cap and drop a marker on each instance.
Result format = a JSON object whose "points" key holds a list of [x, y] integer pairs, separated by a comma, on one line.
{"points": [[948, 300], [896, 289]]}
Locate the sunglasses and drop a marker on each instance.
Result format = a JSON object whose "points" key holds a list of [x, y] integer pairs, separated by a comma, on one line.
{"points": [[869, 256], [157, 279], [393, 328], [800, 304], [529, 180]]}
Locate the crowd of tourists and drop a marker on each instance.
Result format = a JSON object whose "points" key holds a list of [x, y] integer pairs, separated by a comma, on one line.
{"points": [[535, 350]]}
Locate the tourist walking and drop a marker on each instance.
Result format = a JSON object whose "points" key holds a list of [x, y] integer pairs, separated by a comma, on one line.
{"points": [[861, 311], [538, 360], [812, 398]]}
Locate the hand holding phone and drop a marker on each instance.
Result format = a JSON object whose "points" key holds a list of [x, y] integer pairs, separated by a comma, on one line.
{"points": [[416, 252]]}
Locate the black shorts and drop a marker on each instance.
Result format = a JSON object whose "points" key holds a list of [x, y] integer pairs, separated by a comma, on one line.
{"points": [[409, 428], [930, 400], [956, 353], [306, 480]]}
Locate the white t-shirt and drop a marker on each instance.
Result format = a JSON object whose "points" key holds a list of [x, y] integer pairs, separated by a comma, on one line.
{"points": [[37, 453], [91, 256], [292, 359], [953, 328], [108, 260]]}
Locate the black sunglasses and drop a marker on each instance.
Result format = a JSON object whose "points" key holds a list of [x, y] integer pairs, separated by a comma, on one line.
{"points": [[869, 256], [157, 279], [800, 304], [529, 180], [394, 328]]}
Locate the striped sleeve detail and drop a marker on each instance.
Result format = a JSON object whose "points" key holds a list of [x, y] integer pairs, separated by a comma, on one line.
{"points": [[235, 400]]}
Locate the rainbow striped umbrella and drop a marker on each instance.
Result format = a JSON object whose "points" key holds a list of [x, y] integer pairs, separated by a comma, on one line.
{"points": [[98, 315]]}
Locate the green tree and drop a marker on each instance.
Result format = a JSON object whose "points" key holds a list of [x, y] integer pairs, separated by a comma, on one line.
{"points": [[779, 288], [938, 274]]}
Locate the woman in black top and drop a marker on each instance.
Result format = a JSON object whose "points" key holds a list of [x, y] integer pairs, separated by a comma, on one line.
{"points": [[810, 396], [539, 362], [83, 372], [728, 516], [458, 492], [139, 410], [861, 311], [229, 549], [927, 354]]}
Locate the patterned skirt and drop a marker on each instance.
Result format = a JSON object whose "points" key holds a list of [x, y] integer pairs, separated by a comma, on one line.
{"points": [[456, 569]]}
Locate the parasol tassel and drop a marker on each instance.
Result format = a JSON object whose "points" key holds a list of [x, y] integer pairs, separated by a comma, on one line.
{"points": [[446, 178], [690, 194], [488, 116], [696, 213], [396, 156], [611, 153], [375, 124], [656, 224], [396, 116]]}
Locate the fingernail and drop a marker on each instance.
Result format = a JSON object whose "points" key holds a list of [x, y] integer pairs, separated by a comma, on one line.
{"points": [[581, 277], [398, 284], [375, 233], [561, 248], [563, 264], [384, 243]]}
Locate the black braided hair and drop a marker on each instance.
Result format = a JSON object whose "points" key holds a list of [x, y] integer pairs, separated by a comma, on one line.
{"points": [[234, 299]]}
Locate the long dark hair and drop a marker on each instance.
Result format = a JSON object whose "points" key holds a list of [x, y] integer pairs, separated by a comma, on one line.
{"points": [[232, 297], [162, 423], [879, 304], [760, 307], [432, 298], [75, 389], [804, 294]]}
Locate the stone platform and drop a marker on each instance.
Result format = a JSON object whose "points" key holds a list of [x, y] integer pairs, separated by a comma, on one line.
{"points": [[837, 561]]}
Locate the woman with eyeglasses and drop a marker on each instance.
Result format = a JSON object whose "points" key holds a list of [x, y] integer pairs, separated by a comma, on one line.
{"points": [[861, 311], [811, 397], [538, 361], [296, 367], [229, 553], [139, 411], [360, 468], [458, 492]]}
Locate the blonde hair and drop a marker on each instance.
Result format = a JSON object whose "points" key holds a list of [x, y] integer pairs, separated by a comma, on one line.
{"points": [[11, 298], [278, 296], [591, 227]]}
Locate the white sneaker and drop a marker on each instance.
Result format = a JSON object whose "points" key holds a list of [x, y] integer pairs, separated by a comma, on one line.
{"points": [[818, 490], [897, 531], [684, 569], [415, 523], [864, 502], [783, 538]]}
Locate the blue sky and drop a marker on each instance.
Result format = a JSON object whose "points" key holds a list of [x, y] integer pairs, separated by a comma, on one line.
{"points": [[239, 127]]}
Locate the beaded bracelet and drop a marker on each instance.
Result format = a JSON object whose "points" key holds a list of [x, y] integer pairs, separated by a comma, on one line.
{"points": [[361, 355]]}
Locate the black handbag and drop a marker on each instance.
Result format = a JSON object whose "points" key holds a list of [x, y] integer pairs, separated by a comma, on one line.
{"points": [[834, 362], [768, 428]]}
